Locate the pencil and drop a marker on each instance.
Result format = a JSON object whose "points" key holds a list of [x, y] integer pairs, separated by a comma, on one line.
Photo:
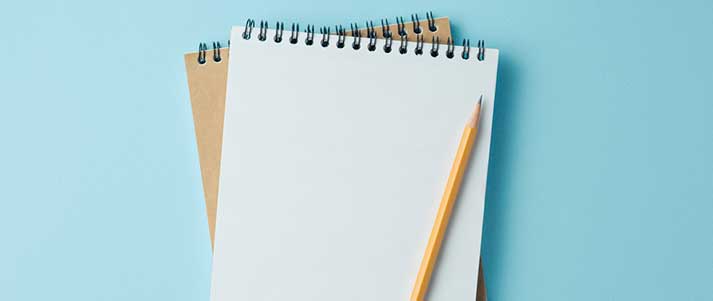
{"points": [[446, 207]]}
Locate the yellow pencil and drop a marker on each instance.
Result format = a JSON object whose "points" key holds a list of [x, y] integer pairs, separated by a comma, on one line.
{"points": [[446, 207]]}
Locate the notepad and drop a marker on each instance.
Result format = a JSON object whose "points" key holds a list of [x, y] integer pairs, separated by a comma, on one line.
{"points": [[206, 71], [333, 163]]}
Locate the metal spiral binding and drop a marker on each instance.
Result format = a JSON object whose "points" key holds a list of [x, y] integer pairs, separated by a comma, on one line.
{"points": [[356, 35], [401, 26], [419, 45], [202, 47], [248, 29], [295, 33], [449, 50], [279, 28], [416, 24], [325, 35], [481, 50], [434, 46], [403, 47], [216, 52], [466, 49], [387, 44], [431, 22], [341, 36], [386, 28], [309, 40], [372, 43], [262, 36], [370, 32]]}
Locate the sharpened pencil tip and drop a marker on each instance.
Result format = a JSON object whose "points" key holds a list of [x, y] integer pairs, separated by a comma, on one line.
{"points": [[475, 116]]}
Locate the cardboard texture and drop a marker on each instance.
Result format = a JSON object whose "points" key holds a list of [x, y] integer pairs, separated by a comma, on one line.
{"points": [[207, 85]]}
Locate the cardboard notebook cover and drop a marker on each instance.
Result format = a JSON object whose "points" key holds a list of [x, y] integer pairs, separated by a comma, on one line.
{"points": [[207, 86]]}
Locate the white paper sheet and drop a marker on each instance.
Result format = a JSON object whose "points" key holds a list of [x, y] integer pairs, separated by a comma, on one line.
{"points": [[334, 162]]}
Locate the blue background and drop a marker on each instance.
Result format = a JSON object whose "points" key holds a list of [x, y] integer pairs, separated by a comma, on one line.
{"points": [[601, 178]]}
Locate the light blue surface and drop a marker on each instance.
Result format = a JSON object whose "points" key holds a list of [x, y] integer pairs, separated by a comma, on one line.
{"points": [[601, 178]]}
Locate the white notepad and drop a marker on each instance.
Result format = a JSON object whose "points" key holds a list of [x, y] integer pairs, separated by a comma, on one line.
{"points": [[334, 162]]}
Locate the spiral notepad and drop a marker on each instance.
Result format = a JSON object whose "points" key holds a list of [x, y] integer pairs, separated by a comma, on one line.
{"points": [[207, 71], [335, 153]]}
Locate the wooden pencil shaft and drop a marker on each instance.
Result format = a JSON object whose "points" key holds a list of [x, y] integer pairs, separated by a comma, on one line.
{"points": [[455, 178]]}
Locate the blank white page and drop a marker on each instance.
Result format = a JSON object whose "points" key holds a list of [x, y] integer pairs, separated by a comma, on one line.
{"points": [[334, 163]]}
